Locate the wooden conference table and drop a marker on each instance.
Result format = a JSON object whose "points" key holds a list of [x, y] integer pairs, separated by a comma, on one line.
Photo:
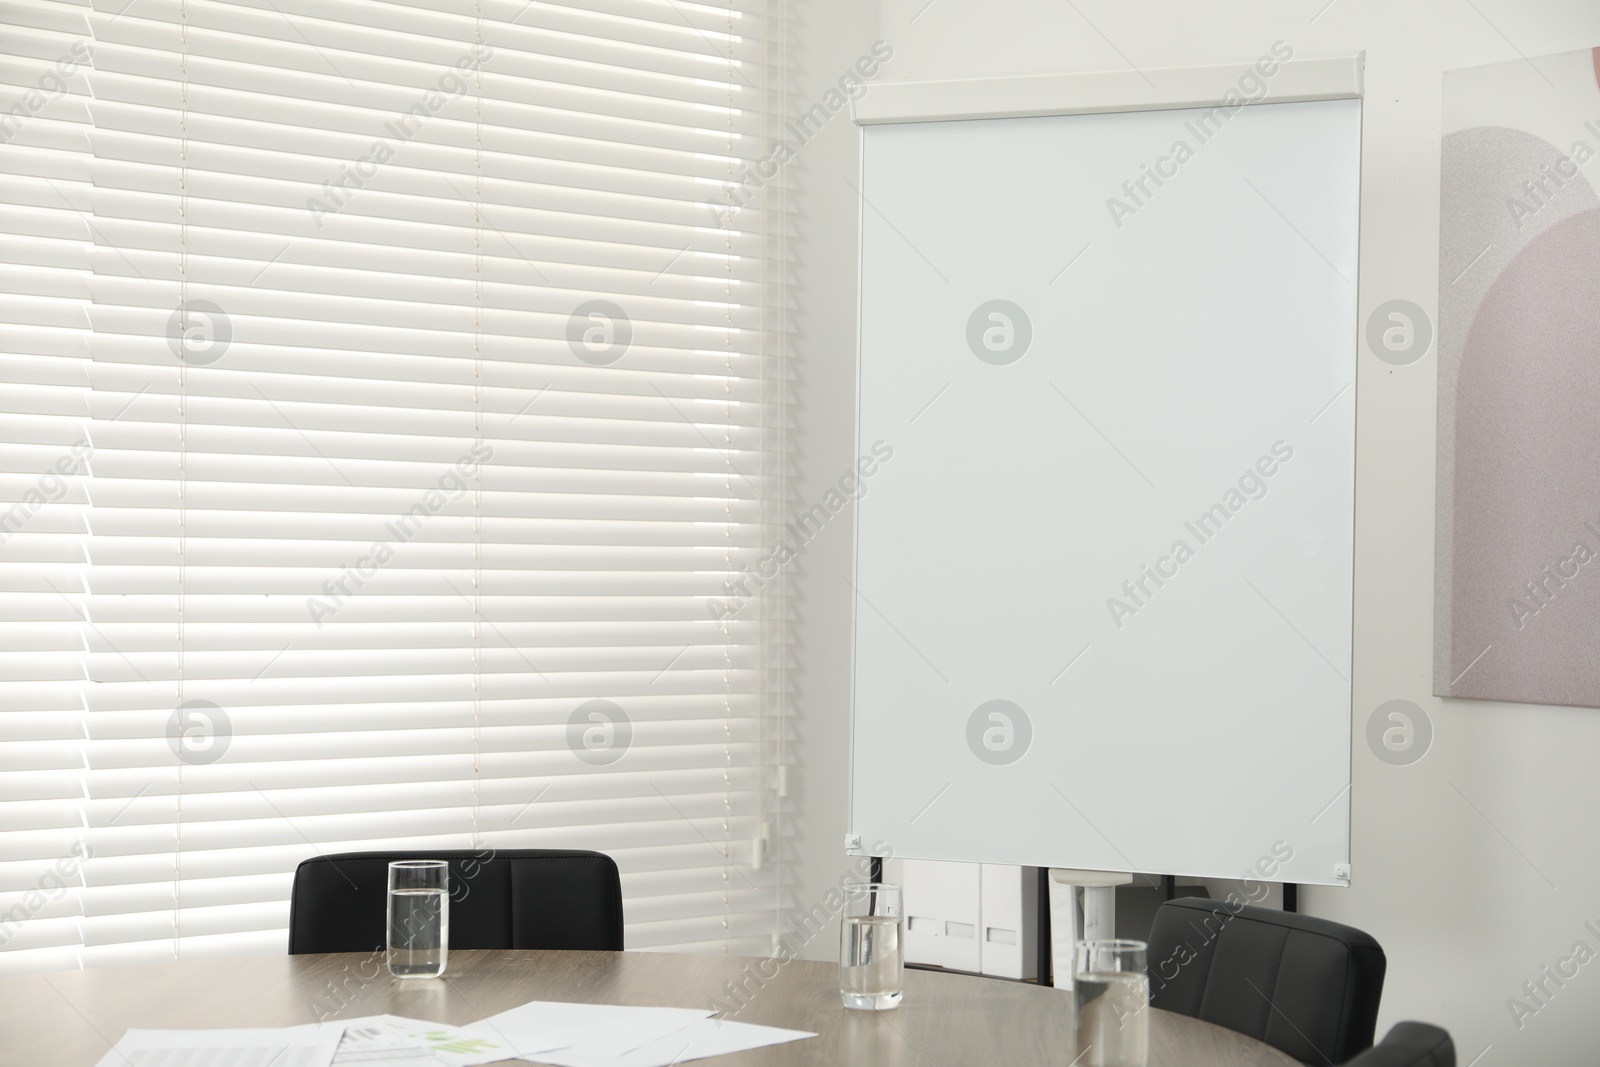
{"points": [[70, 1019]]}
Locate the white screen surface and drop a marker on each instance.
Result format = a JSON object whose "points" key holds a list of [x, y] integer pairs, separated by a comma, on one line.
{"points": [[1149, 364]]}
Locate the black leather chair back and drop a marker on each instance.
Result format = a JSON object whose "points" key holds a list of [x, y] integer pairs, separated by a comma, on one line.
{"points": [[506, 898], [1307, 986], [1410, 1045]]}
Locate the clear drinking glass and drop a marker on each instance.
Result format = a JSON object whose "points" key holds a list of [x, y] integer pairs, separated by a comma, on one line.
{"points": [[419, 918], [871, 947], [1110, 1004]]}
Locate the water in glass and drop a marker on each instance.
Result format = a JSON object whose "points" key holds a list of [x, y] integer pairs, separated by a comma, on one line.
{"points": [[870, 962], [1110, 1007], [419, 932]]}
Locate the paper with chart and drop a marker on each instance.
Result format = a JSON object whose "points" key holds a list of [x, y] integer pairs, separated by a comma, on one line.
{"points": [[556, 1033], [311, 1045], [393, 1041]]}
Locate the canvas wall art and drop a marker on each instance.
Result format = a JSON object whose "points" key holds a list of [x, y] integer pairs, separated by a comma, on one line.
{"points": [[1517, 576]]}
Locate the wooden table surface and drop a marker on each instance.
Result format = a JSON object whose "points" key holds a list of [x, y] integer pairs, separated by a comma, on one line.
{"points": [[70, 1019]]}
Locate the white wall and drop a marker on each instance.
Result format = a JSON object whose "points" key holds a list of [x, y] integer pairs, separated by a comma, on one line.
{"points": [[1474, 867], [827, 38]]}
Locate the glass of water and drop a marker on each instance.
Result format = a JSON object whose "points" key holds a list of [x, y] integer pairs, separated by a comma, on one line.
{"points": [[1110, 1003], [419, 917], [871, 947]]}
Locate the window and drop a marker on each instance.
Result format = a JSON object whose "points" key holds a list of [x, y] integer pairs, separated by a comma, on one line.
{"points": [[431, 419], [44, 422]]}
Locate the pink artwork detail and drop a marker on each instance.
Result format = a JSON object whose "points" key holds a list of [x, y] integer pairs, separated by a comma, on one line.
{"points": [[1527, 491]]}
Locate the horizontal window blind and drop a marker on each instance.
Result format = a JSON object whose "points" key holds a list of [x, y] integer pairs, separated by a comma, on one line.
{"points": [[44, 434], [432, 418]]}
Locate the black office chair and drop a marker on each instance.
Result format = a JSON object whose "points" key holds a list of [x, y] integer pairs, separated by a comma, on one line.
{"points": [[507, 898], [1410, 1045], [1307, 986]]}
